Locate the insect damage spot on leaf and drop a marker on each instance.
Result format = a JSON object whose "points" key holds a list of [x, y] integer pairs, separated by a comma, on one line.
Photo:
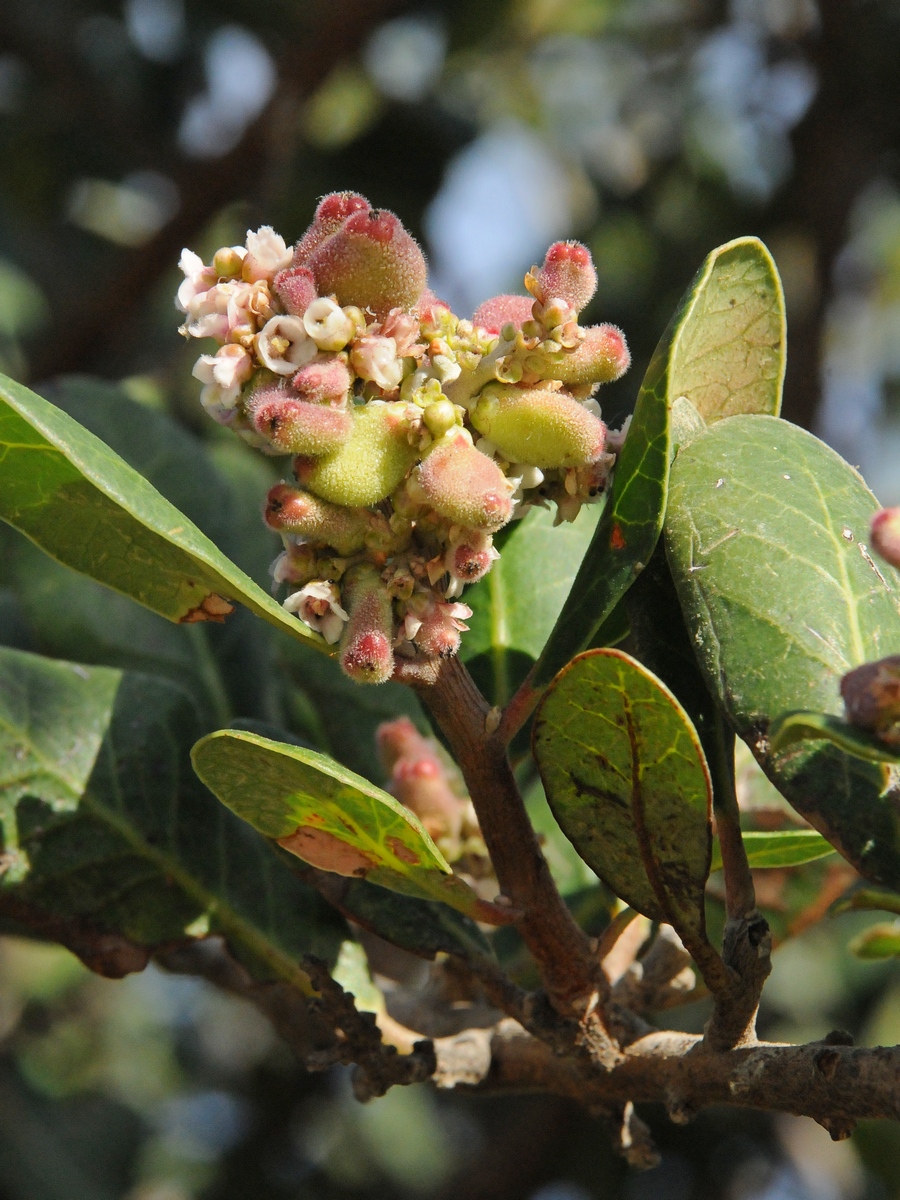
{"points": [[616, 540], [403, 852], [212, 608], [329, 853]]}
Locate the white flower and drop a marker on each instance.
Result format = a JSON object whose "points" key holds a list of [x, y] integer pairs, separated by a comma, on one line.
{"points": [[198, 278], [249, 306], [208, 312], [222, 375], [375, 359], [327, 324], [318, 605], [284, 345], [267, 254]]}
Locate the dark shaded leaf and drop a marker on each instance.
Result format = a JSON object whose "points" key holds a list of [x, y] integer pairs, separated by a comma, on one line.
{"points": [[104, 822]]}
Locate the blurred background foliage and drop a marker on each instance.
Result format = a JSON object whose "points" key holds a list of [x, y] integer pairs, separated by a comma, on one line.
{"points": [[651, 129]]}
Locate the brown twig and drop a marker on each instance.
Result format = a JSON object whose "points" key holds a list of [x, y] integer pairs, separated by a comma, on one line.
{"points": [[562, 951], [747, 942]]}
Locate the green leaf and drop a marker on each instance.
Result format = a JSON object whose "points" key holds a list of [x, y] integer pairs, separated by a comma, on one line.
{"points": [[730, 355], [423, 927], [867, 899], [88, 509], [766, 537], [813, 726], [329, 816], [878, 942], [628, 783], [724, 352], [787, 848], [106, 828], [515, 606]]}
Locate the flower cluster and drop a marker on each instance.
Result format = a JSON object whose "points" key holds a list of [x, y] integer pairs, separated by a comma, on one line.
{"points": [[415, 435]]}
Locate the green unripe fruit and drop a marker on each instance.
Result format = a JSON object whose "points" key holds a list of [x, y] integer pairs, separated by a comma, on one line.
{"points": [[538, 427], [440, 417], [601, 358], [371, 463]]}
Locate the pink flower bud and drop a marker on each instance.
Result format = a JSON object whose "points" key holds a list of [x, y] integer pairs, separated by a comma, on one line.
{"points": [[429, 307], [372, 262], [503, 310], [441, 624], [418, 778], [332, 211], [567, 274], [463, 484], [366, 654], [539, 427], [600, 358], [296, 289], [885, 533], [288, 510], [293, 426], [326, 380], [470, 556]]}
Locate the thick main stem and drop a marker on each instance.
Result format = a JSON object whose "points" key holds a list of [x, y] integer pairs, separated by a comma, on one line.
{"points": [[569, 969]]}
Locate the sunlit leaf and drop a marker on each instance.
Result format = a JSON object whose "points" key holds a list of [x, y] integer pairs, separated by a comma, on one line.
{"points": [[627, 780], [724, 352], [785, 848], [766, 537], [87, 508], [329, 817], [813, 726]]}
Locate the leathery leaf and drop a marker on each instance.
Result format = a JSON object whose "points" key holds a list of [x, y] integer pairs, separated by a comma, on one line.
{"points": [[82, 504], [766, 538], [723, 352], [628, 783], [330, 817]]}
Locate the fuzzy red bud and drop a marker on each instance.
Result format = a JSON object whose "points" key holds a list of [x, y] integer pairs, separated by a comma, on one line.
{"points": [[885, 533], [332, 211], [293, 426], [601, 357], [418, 778], [464, 485], [365, 652], [568, 274], [503, 310], [296, 289], [323, 381], [289, 510], [371, 262]]}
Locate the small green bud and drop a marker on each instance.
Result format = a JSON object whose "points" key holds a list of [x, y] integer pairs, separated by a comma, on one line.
{"points": [[370, 464], [539, 427], [440, 417]]}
